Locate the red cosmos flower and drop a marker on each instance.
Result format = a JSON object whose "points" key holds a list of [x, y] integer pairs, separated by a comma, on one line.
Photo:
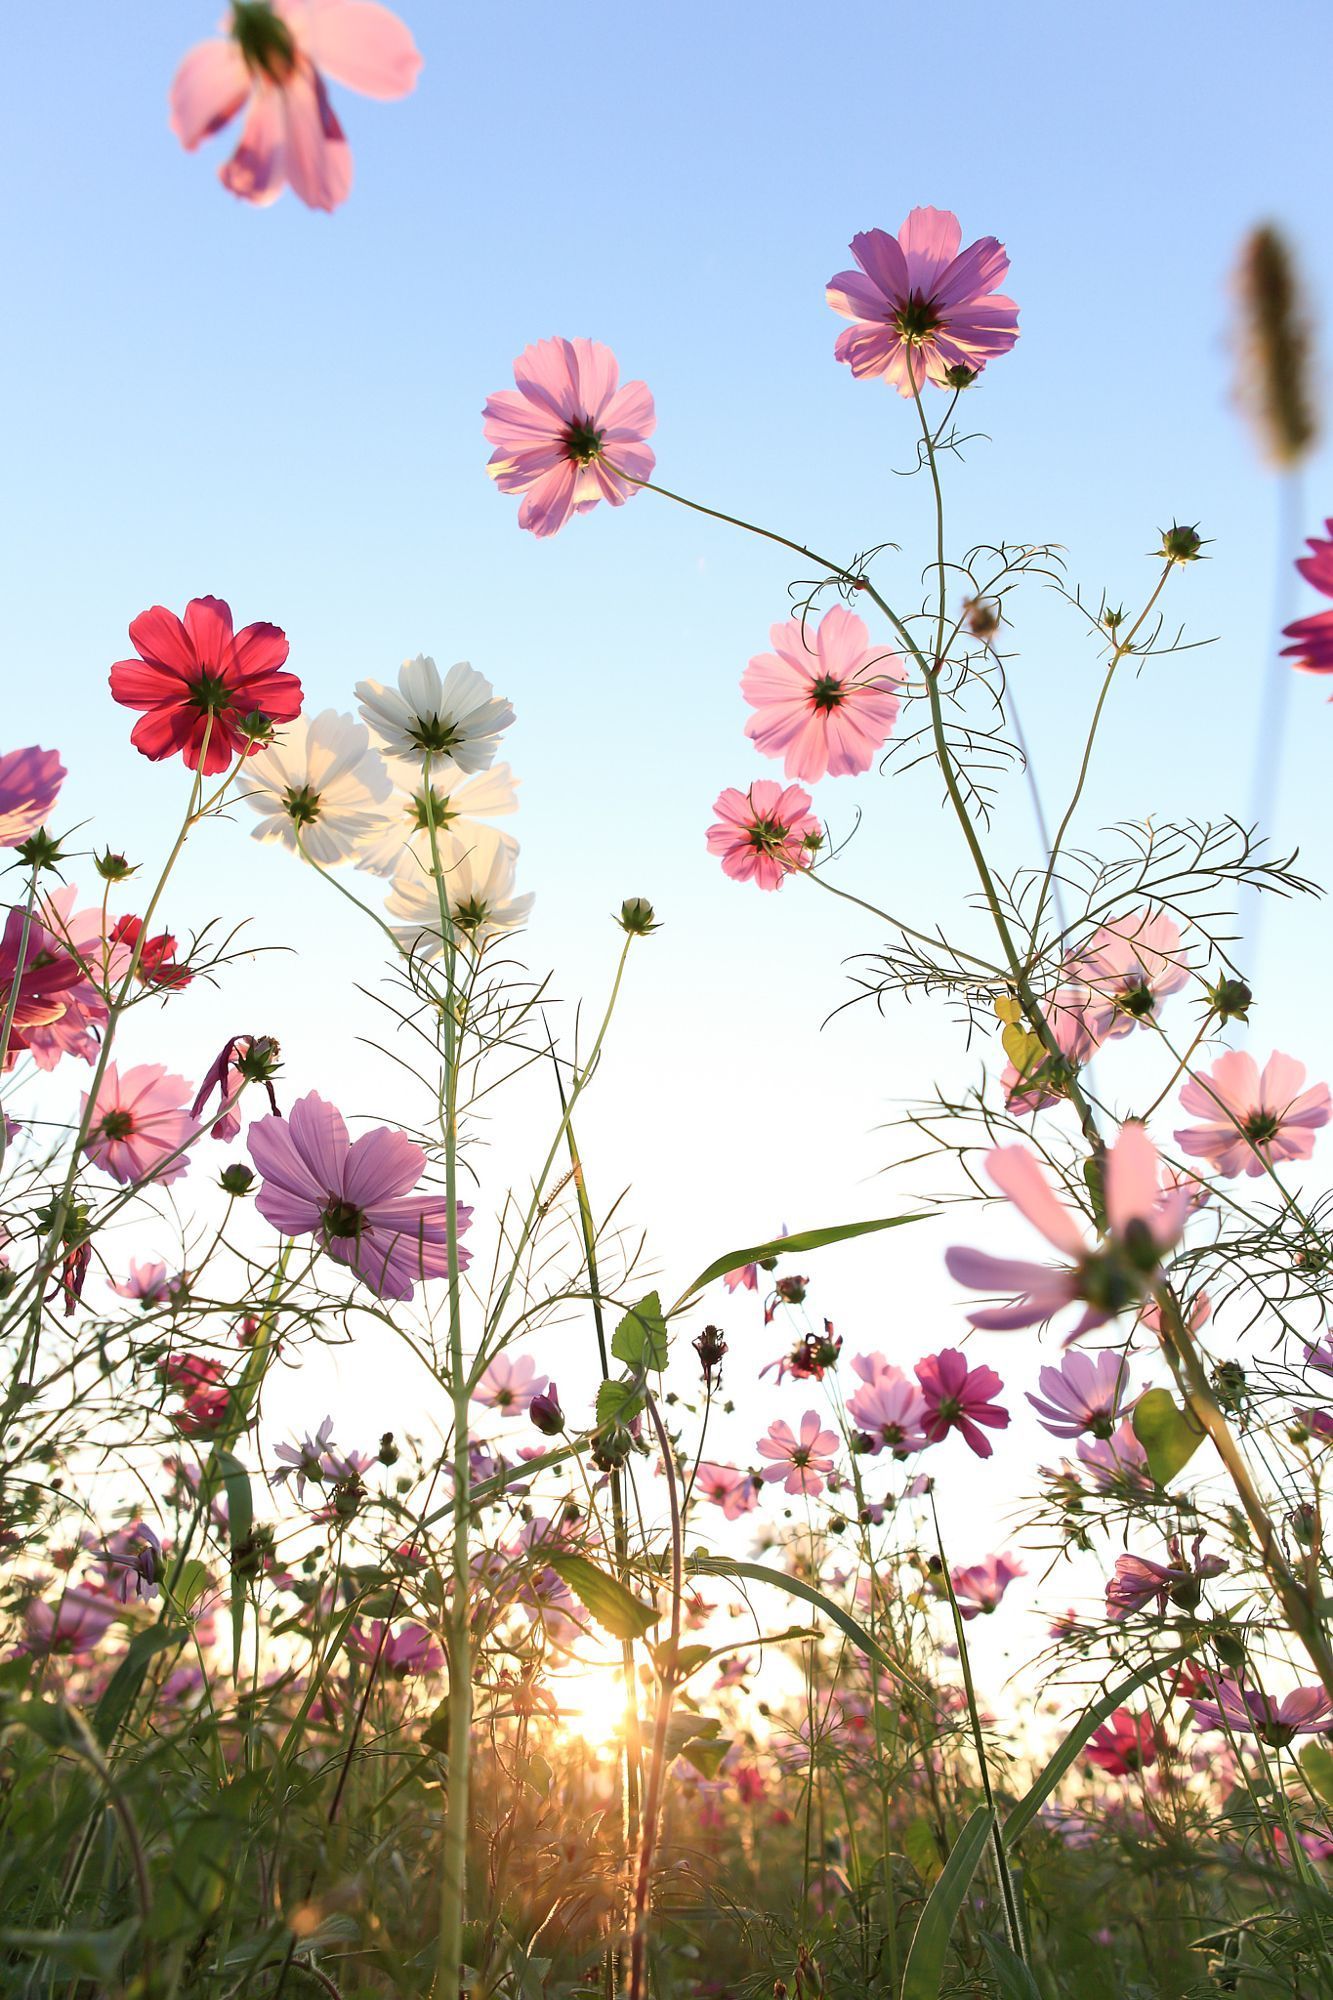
{"points": [[1125, 1743], [197, 679], [157, 957]]}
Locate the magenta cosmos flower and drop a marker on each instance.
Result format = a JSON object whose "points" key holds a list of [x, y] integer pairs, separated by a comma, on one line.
{"points": [[1252, 1122], [1106, 1278], [765, 833], [1086, 1393], [799, 1463], [197, 678], [30, 782], [826, 707], [1124, 1743], [920, 312], [979, 1589], [960, 1398], [726, 1487], [354, 1195], [568, 432], [410, 1650], [1306, 1711], [1311, 650], [139, 1124], [274, 59]]}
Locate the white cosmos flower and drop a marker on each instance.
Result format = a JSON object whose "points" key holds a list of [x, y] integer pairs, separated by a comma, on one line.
{"points": [[459, 805], [478, 875], [457, 717], [319, 778]]}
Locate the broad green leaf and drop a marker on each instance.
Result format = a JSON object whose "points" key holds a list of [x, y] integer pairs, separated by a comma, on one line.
{"points": [[538, 1773], [50, 1720], [121, 1690], [793, 1246], [924, 1972], [1093, 1716], [188, 1583], [1012, 1977], [688, 1727], [707, 1758], [1317, 1769], [616, 1609], [1167, 1433], [795, 1587], [640, 1341], [922, 1850], [618, 1403]]}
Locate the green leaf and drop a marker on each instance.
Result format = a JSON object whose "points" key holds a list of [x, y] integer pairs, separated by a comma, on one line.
{"points": [[685, 1727], [1012, 1977], [122, 1689], [240, 1527], [924, 1972], [618, 1403], [796, 1587], [616, 1609], [188, 1583], [707, 1758], [1167, 1433], [538, 1773], [1093, 1716], [76, 1954], [1317, 1769], [793, 1246], [640, 1341], [922, 1850]]}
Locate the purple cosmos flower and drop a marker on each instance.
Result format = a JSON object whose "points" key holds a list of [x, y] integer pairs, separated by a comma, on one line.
{"points": [[1249, 1712], [1085, 1393], [1137, 1581], [308, 1459], [137, 1553], [920, 312], [979, 1589]]}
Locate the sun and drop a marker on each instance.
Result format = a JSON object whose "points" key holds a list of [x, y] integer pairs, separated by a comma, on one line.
{"points": [[591, 1700]]}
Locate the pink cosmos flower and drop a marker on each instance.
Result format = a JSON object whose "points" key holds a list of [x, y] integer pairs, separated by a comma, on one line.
{"points": [[30, 782], [980, 1588], [509, 1386], [744, 1275], [799, 1463], [1252, 1122], [81, 935], [1138, 1580], [890, 1409], [826, 707], [1125, 1743], [1116, 1463], [274, 60], [205, 1412], [411, 1650], [566, 434], [45, 977], [1085, 1393], [151, 1284], [1306, 1711], [1198, 1312], [920, 312], [727, 1488], [138, 1122], [960, 1398], [355, 1196], [1311, 650], [1106, 1278], [765, 833], [198, 678], [1128, 968], [72, 1625]]}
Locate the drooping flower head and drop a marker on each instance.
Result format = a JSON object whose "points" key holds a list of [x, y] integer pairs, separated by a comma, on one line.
{"points": [[1138, 1580], [960, 1398], [30, 782], [1144, 1222], [764, 834], [1252, 1122], [204, 687], [565, 434], [274, 59], [1311, 648], [825, 701], [355, 1196], [455, 716], [920, 311], [136, 1553], [318, 787], [139, 1122]]}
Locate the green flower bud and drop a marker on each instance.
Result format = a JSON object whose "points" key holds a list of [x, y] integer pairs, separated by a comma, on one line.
{"points": [[237, 1178], [636, 917], [113, 867], [1231, 1000], [40, 851], [1181, 544]]}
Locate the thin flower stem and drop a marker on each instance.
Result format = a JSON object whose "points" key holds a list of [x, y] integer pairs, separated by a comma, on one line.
{"points": [[11, 1004], [667, 1682]]}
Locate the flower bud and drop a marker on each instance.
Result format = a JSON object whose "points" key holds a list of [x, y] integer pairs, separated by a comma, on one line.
{"points": [[40, 851], [546, 1413], [637, 917], [257, 727], [710, 1346], [1229, 1385], [1231, 1000], [236, 1178], [959, 376], [1181, 544], [388, 1451], [113, 867]]}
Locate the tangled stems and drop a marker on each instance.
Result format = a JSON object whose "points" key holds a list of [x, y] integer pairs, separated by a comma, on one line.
{"points": [[668, 1671]]}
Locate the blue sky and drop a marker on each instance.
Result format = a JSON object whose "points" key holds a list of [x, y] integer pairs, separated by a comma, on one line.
{"points": [[283, 408]]}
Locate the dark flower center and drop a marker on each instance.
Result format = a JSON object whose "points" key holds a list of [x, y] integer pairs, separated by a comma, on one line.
{"points": [[302, 805], [433, 733], [470, 916], [801, 1455], [439, 810], [343, 1218], [767, 836], [264, 39], [1261, 1126], [118, 1124], [918, 319], [827, 693], [210, 693], [950, 1409], [583, 443], [1135, 1000]]}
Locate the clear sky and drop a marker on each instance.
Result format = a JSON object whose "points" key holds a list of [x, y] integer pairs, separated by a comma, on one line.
{"points": [[284, 408]]}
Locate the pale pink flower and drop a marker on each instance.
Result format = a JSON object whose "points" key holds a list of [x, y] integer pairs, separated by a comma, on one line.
{"points": [[726, 1487], [980, 1588], [826, 707], [1107, 1277], [354, 1195], [764, 834], [410, 1650], [744, 1276], [30, 782], [139, 1121], [509, 1386], [1116, 1463], [957, 1397], [1085, 1393], [1252, 1122], [274, 60], [151, 1284], [799, 1462], [568, 432], [1306, 1711], [1129, 967], [889, 1408], [74, 1624], [1199, 1313], [921, 312]]}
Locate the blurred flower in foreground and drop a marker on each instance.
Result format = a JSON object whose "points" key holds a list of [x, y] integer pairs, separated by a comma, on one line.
{"points": [[1311, 648], [1274, 383], [919, 309], [30, 782], [567, 432], [274, 60]]}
